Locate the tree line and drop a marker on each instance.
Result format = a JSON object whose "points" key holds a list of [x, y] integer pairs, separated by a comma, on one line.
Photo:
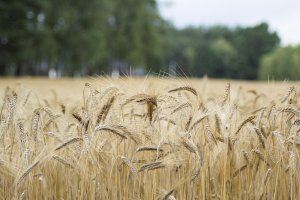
{"points": [[86, 38]]}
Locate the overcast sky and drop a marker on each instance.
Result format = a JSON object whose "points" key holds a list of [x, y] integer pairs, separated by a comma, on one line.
{"points": [[283, 16]]}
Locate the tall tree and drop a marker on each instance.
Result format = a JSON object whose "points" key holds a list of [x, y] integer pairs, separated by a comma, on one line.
{"points": [[283, 63], [20, 32], [133, 37], [78, 29], [252, 43]]}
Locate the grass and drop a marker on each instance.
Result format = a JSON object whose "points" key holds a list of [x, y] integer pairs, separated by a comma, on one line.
{"points": [[149, 139]]}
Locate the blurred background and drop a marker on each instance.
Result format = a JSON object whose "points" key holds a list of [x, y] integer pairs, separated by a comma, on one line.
{"points": [[221, 39]]}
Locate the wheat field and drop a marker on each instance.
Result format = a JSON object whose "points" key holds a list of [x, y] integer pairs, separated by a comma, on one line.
{"points": [[149, 138]]}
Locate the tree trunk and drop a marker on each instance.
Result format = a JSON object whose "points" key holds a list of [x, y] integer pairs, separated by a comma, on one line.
{"points": [[2, 69], [19, 70]]}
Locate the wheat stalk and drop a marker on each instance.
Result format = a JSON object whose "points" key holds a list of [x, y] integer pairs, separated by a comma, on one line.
{"points": [[184, 88], [61, 160], [68, 142], [27, 171], [226, 96], [247, 120], [111, 129]]}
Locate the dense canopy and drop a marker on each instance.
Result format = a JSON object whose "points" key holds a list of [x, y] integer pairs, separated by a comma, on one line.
{"points": [[95, 37]]}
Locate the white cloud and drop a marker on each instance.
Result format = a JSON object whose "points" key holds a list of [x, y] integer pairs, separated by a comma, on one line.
{"points": [[282, 15]]}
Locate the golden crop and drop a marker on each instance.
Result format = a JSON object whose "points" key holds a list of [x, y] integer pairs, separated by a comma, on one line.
{"points": [[149, 139]]}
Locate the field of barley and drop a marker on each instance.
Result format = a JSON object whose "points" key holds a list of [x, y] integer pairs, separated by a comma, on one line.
{"points": [[151, 138]]}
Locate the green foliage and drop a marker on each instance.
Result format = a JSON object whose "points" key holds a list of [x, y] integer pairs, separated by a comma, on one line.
{"points": [[77, 31], [219, 51], [225, 56], [283, 63], [252, 43], [80, 37], [134, 33], [21, 32]]}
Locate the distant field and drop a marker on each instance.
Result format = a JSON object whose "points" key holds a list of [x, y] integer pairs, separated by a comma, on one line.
{"points": [[149, 139], [67, 87]]}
